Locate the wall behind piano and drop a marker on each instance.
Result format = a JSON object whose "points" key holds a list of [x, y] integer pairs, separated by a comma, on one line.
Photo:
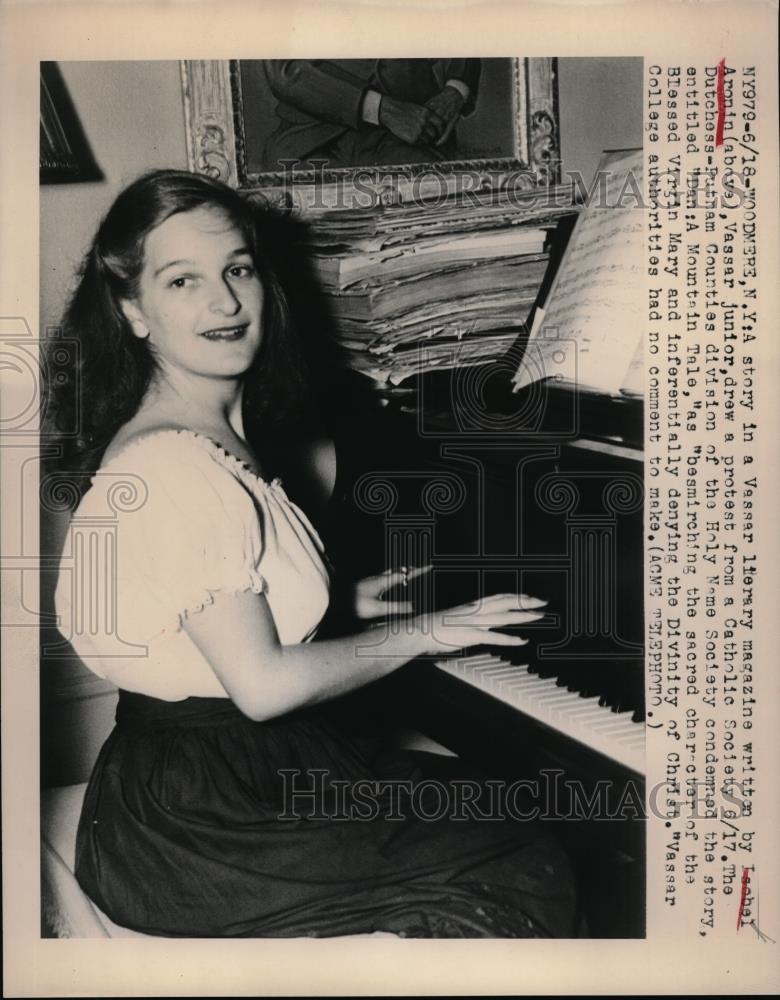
{"points": [[599, 107], [131, 114]]}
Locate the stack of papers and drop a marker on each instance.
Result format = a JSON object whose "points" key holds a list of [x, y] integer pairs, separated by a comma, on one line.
{"points": [[422, 285]]}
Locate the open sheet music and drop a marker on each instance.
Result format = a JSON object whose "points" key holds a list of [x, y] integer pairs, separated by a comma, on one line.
{"points": [[591, 328]]}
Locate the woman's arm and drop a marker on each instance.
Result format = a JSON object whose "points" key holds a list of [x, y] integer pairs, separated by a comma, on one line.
{"points": [[238, 638]]}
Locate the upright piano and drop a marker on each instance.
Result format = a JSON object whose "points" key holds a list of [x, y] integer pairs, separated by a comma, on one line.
{"points": [[539, 492]]}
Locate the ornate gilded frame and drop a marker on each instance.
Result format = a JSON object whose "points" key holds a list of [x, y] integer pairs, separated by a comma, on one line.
{"points": [[216, 146]]}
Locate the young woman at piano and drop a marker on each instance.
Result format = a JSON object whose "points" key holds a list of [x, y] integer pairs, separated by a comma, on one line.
{"points": [[189, 825]]}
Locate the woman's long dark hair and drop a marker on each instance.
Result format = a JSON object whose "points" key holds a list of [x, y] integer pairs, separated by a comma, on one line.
{"points": [[114, 368]]}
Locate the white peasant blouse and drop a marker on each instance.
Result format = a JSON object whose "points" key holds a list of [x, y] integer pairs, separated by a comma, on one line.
{"points": [[169, 523]]}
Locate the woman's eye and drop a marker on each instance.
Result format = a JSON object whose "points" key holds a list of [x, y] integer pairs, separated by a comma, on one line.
{"points": [[242, 271], [182, 282]]}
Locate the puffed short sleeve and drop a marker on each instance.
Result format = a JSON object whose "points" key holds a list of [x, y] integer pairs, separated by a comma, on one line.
{"points": [[196, 531]]}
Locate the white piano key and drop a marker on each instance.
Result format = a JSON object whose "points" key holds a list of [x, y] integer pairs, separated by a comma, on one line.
{"points": [[610, 726], [632, 738], [524, 682], [585, 705], [556, 700], [483, 670], [501, 673]]}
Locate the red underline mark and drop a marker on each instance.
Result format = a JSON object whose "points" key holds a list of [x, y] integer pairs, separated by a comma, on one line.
{"points": [[721, 93], [743, 895]]}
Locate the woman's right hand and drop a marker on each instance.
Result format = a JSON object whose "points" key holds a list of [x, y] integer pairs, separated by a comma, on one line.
{"points": [[475, 624]]}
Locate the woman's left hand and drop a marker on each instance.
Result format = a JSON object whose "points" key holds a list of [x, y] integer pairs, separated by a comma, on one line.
{"points": [[368, 602]]}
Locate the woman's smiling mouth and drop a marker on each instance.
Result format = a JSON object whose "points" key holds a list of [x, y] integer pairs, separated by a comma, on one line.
{"points": [[226, 332]]}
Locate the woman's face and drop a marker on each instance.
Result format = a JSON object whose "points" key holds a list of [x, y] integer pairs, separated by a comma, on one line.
{"points": [[200, 299]]}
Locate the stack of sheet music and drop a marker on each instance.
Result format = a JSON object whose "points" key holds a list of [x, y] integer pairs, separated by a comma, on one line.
{"points": [[434, 283]]}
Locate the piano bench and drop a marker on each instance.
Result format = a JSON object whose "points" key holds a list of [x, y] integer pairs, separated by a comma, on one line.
{"points": [[66, 910]]}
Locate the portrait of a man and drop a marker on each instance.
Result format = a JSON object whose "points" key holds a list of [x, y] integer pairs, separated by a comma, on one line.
{"points": [[369, 112], [301, 115]]}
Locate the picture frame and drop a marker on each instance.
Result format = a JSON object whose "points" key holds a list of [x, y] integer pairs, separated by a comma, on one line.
{"points": [[518, 97], [57, 158], [64, 152]]}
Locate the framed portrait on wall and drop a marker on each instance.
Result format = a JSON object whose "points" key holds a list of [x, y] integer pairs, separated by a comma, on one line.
{"points": [[57, 159], [64, 154], [272, 124]]}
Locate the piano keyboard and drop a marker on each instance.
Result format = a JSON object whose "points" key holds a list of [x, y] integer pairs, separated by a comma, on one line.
{"points": [[583, 719]]}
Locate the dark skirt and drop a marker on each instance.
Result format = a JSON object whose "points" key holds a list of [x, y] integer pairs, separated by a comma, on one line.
{"points": [[198, 822]]}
